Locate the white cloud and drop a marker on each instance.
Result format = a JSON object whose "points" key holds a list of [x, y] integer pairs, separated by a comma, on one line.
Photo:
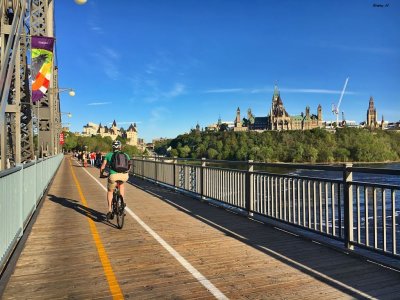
{"points": [[99, 103], [108, 59], [158, 114], [161, 63], [374, 50], [176, 91], [96, 29], [314, 91], [111, 53], [270, 90], [224, 90], [149, 91]]}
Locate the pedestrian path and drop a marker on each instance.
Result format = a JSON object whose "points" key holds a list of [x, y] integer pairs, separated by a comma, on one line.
{"points": [[175, 247]]}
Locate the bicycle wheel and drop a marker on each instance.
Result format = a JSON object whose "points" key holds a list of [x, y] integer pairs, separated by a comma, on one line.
{"points": [[120, 212]]}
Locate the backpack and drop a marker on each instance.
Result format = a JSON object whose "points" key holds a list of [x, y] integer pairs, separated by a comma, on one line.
{"points": [[119, 162]]}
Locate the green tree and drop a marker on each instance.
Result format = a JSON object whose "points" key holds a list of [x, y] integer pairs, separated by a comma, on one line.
{"points": [[184, 151], [70, 141], [174, 153], [212, 153], [223, 127]]}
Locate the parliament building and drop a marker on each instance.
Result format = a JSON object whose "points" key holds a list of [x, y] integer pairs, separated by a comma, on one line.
{"points": [[279, 119]]}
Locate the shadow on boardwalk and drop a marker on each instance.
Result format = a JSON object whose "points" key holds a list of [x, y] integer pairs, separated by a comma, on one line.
{"points": [[351, 275], [95, 215]]}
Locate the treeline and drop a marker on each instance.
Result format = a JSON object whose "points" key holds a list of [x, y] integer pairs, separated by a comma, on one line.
{"points": [[96, 143], [317, 145]]}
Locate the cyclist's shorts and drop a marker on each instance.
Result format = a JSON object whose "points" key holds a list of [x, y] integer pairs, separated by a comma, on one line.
{"points": [[114, 177]]}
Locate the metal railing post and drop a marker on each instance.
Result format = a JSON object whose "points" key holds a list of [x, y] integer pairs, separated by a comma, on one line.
{"points": [[348, 206], [36, 179], [21, 198], [249, 188], [203, 164], [175, 161], [155, 169], [142, 166]]}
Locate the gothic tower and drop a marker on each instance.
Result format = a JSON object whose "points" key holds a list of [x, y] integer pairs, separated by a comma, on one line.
{"points": [[307, 112], [319, 114], [238, 123], [371, 114], [278, 119]]}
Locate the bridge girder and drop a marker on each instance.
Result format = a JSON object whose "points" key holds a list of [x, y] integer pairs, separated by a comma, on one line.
{"points": [[16, 110]]}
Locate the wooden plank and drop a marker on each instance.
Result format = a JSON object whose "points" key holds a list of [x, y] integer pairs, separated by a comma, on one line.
{"points": [[242, 258]]}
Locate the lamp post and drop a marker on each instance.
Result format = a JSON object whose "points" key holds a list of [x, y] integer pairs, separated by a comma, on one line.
{"points": [[52, 91], [70, 91], [69, 115]]}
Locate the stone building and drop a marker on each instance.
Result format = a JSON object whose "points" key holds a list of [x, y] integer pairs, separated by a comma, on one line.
{"points": [[90, 129], [279, 119], [237, 124], [131, 134]]}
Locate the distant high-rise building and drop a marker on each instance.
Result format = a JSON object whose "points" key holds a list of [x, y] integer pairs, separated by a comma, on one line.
{"points": [[371, 114]]}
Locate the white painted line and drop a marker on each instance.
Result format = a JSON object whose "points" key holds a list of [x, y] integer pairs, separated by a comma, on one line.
{"points": [[195, 273], [328, 278]]}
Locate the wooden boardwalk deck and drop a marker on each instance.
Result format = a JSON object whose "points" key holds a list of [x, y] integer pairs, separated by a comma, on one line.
{"points": [[175, 247]]}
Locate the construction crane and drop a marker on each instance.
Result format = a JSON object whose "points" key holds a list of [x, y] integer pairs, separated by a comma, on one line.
{"points": [[335, 109]]}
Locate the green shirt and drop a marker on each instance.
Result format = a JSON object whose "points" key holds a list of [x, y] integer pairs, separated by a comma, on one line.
{"points": [[108, 159]]}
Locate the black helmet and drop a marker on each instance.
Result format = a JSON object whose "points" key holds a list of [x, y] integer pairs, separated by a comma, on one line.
{"points": [[116, 145]]}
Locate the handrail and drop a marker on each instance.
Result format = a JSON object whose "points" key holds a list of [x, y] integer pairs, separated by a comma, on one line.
{"points": [[334, 201], [9, 171], [23, 187]]}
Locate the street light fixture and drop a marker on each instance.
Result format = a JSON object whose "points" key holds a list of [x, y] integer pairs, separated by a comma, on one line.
{"points": [[70, 91], [69, 115]]}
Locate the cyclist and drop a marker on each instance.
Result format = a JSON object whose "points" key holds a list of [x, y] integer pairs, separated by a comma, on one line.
{"points": [[114, 176]]}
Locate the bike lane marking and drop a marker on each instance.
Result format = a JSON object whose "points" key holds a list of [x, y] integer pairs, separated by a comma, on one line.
{"points": [[115, 289], [192, 270]]}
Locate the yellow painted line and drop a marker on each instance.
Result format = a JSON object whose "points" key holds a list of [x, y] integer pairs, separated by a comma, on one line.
{"points": [[108, 271]]}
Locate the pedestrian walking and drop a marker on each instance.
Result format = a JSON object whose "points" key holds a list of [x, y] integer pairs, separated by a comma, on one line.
{"points": [[92, 158]]}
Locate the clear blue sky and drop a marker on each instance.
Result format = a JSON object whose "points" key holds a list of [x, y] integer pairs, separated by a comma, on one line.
{"points": [[168, 64]]}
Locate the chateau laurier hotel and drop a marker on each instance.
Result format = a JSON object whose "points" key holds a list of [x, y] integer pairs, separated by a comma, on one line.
{"points": [[131, 134]]}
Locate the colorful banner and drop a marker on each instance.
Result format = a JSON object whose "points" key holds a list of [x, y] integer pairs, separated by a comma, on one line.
{"points": [[62, 138], [41, 66]]}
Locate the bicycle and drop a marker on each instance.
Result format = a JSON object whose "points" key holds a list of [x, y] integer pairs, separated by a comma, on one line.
{"points": [[118, 206]]}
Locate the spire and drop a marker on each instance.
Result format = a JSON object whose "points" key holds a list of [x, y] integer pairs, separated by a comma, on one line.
{"points": [[114, 124], [237, 119], [276, 91], [371, 102]]}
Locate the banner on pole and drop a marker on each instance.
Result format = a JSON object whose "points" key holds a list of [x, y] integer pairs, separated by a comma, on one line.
{"points": [[41, 65], [62, 138]]}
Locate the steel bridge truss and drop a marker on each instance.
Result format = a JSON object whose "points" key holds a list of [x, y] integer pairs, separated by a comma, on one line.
{"points": [[19, 20]]}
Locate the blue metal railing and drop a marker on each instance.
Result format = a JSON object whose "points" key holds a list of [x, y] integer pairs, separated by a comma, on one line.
{"points": [[21, 188], [359, 206]]}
